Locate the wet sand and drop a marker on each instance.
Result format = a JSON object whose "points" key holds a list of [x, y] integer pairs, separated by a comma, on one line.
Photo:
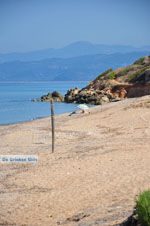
{"points": [[101, 163]]}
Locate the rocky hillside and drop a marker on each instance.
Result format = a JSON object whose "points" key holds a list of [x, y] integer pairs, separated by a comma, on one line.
{"points": [[130, 81]]}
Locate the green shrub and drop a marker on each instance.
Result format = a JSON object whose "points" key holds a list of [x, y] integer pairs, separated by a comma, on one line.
{"points": [[112, 75], [135, 74], [143, 208], [132, 76], [103, 74], [124, 71], [140, 61]]}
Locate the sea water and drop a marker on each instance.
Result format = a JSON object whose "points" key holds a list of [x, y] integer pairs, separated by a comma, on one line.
{"points": [[16, 105]]}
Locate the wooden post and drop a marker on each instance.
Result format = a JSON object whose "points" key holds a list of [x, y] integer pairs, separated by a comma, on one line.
{"points": [[53, 126]]}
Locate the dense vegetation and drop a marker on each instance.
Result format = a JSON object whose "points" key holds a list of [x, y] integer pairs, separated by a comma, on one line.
{"points": [[143, 208]]}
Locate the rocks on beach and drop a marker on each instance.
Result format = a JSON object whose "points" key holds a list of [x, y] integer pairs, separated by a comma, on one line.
{"points": [[86, 96], [76, 95], [55, 96]]}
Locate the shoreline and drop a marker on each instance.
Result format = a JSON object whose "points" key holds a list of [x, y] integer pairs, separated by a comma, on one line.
{"points": [[27, 112], [44, 117], [67, 113], [18, 123], [100, 164]]}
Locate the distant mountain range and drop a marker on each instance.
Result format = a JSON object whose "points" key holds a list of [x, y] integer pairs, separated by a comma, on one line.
{"points": [[73, 50], [81, 68]]}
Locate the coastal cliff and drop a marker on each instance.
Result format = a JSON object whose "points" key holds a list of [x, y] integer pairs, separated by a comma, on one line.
{"points": [[128, 82]]}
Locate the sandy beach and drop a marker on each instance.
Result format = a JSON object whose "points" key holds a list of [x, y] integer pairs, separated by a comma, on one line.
{"points": [[100, 164]]}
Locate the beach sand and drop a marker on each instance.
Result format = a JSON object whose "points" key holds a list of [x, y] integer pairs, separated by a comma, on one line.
{"points": [[100, 164]]}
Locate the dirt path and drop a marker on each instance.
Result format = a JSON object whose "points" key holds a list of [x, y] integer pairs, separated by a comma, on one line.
{"points": [[101, 162]]}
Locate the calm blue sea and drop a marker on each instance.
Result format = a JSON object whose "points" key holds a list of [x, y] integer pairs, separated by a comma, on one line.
{"points": [[16, 104]]}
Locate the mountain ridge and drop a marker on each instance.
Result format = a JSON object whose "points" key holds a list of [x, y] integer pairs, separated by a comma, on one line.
{"points": [[75, 49], [83, 68]]}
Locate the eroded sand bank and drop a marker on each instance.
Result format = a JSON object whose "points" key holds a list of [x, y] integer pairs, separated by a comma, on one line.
{"points": [[101, 162]]}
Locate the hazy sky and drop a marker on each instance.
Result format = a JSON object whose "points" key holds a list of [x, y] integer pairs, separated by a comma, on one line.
{"points": [[38, 24]]}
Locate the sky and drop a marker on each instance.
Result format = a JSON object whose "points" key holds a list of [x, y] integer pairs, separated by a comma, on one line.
{"points": [[27, 25]]}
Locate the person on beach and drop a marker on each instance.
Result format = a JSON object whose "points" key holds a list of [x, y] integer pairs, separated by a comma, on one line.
{"points": [[72, 113], [83, 111]]}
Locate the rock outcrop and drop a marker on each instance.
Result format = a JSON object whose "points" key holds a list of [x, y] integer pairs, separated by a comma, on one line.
{"points": [[55, 96], [86, 96]]}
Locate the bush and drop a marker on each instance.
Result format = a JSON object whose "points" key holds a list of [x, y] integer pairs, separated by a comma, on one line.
{"points": [[140, 61], [124, 71], [112, 75], [143, 208], [134, 76], [103, 74]]}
